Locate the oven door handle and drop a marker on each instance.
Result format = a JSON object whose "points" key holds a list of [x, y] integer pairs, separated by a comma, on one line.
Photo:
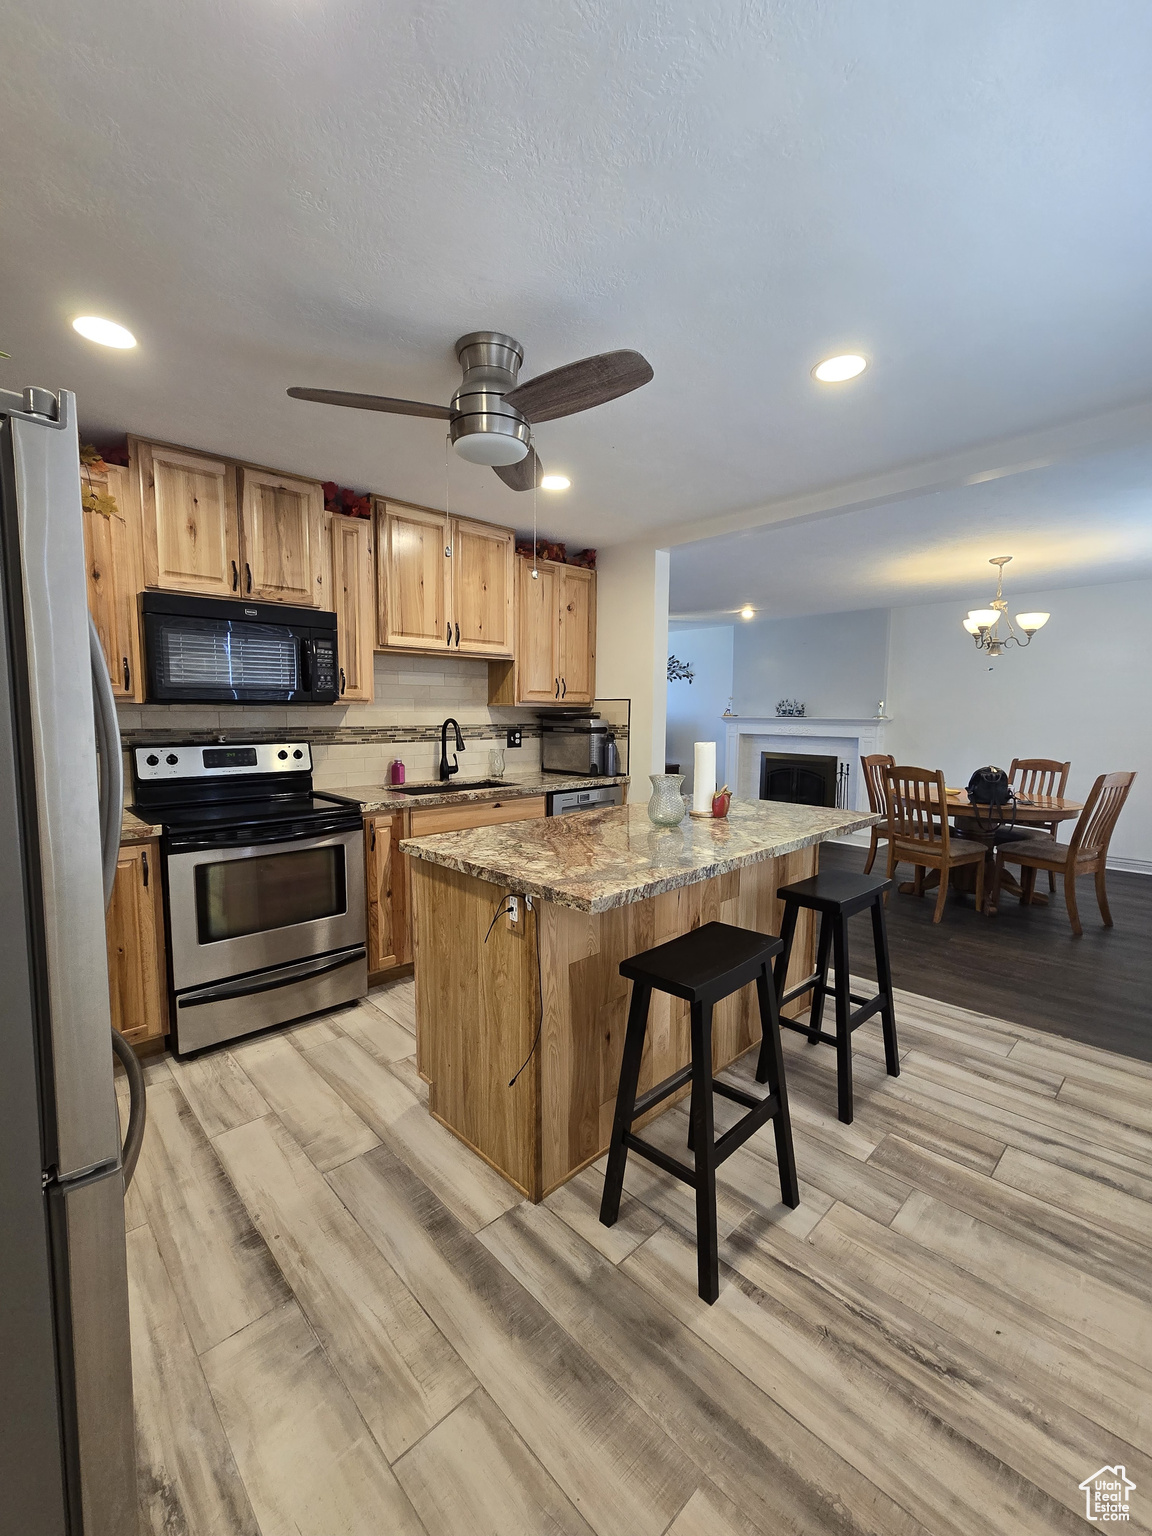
{"points": [[286, 976]]}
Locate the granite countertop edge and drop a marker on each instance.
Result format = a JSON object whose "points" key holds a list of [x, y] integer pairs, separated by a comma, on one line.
{"points": [[381, 797], [426, 848], [134, 830]]}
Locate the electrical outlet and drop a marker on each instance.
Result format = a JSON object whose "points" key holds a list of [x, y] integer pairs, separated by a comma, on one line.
{"points": [[516, 738], [513, 905]]}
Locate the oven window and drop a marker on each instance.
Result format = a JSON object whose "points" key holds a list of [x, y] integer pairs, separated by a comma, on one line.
{"points": [[276, 890]]}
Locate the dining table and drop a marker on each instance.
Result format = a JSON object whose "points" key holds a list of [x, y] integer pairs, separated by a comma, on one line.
{"points": [[1030, 811]]}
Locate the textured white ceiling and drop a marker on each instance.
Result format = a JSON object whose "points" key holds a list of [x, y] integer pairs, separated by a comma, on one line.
{"points": [[328, 192], [1065, 525]]}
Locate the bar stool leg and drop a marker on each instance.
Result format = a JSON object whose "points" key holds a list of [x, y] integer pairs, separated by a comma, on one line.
{"points": [[884, 985], [820, 985], [782, 1125], [779, 978], [707, 1246], [625, 1102], [843, 1014]]}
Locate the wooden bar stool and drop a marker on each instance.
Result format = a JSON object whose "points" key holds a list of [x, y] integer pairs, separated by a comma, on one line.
{"points": [[702, 967], [836, 896]]}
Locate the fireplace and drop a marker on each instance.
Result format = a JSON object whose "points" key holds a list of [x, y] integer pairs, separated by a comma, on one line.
{"points": [[799, 777]]}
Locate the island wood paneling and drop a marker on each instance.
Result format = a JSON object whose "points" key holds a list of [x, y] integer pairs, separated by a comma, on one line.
{"points": [[478, 1013]]}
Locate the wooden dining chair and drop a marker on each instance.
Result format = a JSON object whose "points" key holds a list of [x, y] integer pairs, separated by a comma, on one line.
{"points": [[919, 834], [1085, 853], [1040, 776], [874, 783]]}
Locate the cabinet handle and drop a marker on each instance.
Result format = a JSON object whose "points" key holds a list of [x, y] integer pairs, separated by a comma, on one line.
{"points": [[449, 632], [144, 867], [342, 680], [127, 677], [457, 634], [373, 837], [563, 687], [557, 687], [235, 576], [248, 574]]}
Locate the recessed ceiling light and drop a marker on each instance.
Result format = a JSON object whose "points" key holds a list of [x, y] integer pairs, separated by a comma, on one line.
{"points": [[747, 612], [106, 332], [834, 370], [555, 483]]}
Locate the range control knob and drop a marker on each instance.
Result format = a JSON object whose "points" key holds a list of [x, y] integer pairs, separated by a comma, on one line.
{"points": [[297, 753], [172, 758], [151, 759], [281, 754]]}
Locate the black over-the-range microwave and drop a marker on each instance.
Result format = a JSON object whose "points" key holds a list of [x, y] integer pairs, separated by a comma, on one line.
{"points": [[219, 650]]}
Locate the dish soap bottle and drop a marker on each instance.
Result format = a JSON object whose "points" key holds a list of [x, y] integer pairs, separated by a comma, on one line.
{"points": [[396, 772]]}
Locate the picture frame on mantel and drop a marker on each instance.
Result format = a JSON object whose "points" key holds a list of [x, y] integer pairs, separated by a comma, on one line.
{"points": [[746, 736]]}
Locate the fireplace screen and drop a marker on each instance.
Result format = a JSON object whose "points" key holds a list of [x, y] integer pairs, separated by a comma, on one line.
{"points": [[803, 778]]}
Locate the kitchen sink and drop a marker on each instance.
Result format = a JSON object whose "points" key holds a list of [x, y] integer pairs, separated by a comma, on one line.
{"points": [[448, 788]]}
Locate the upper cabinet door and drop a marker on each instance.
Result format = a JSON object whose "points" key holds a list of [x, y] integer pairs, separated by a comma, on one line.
{"points": [[577, 602], [352, 597], [413, 580], [483, 607], [537, 651], [115, 574], [191, 532], [282, 523]]}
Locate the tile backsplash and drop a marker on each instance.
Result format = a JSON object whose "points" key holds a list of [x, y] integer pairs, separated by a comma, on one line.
{"points": [[355, 743]]}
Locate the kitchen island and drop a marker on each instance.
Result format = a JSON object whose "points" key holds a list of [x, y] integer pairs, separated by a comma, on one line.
{"points": [[493, 994]]}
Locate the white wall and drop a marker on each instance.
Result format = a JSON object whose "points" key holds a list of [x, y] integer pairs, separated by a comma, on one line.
{"points": [[632, 647], [834, 663], [1080, 692], [694, 708]]}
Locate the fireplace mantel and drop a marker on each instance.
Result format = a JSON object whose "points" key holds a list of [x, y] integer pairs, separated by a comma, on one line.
{"points": [[749, 735]]}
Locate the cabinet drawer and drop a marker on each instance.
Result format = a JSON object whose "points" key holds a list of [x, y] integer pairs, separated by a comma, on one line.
{"points": [[489, 813]]}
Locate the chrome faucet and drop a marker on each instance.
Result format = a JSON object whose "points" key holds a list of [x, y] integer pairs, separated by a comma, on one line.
{"points": [[448, 769]]}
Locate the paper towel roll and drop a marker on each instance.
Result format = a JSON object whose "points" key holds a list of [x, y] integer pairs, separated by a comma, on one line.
{"points": [[704, 777]]}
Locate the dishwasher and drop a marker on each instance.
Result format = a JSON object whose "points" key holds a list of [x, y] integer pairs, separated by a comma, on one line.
{"points": [[562, 802]]}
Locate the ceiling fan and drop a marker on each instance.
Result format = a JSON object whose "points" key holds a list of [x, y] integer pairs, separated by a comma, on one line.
{"points": [[491, 415]]}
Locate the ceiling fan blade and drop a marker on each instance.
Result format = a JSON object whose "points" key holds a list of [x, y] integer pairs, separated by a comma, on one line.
{"points": [[523, 476], [580, 386], [373, 403]]}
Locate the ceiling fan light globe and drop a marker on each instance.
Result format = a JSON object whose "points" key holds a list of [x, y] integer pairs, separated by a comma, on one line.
{"points": [[1031, 622], [491, 448]]}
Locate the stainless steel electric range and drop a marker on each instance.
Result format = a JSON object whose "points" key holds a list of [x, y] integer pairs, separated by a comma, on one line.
{"points": [[265, 887]]}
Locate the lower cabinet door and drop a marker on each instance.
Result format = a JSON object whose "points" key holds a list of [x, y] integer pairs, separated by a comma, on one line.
{"points": [[389, 933], [137, 980]]}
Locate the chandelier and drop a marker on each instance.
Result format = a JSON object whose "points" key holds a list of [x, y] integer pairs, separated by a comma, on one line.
{"points": [[983, 624]]}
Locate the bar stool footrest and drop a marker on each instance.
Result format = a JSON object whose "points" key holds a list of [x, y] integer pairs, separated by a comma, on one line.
{"points": [[662, 1159], [661, 1091], [799, 989], [738, 1134]]}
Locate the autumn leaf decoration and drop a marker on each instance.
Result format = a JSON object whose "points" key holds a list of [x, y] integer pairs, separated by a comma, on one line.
{"points": [[92, 498]]}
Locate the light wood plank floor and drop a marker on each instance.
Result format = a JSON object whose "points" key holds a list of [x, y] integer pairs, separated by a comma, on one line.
{"points": [[345, 1324]]}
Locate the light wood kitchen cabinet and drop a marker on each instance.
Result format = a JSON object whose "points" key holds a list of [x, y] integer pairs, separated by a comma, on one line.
{"points": [[281, 528], [444, 584], [488, 813], [482, 589], [555, 638], [190, 525], [352, 598], [576, 637], [115, 575], [135, 930], [412, 578], [389, 928]]}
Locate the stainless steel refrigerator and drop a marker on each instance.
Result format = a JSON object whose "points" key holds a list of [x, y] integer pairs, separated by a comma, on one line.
{"points": [[67, 1462]]}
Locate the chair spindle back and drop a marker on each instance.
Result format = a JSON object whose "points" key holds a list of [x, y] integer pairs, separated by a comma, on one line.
{"points": [[917, 806], [1097, 821], [873, 767], [1038, 776]]}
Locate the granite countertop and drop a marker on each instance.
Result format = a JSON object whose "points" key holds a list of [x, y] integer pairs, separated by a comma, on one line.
{"points": [[133, 830], [379, 797], [602, 859]]}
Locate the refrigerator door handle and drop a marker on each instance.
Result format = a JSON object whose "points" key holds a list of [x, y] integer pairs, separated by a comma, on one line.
{"points": [[111, 762]]}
